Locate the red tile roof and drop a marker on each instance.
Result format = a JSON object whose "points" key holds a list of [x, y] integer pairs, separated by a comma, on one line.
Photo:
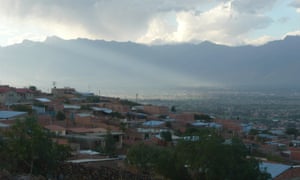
{"points": [[5, 89], [23, 90]]}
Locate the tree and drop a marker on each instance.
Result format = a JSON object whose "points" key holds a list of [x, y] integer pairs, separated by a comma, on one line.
{"points": [[167, 165], [123, 126], [218, 160], [32, 88], [253, 132], [168, 124], [166, 136], [202, 117], [173, 109], [110, 144], [149, 158], [142, 156], [93, 99], [29, 149], [117, 115], [129, 103], [208, 158], [60, 116], [292, 131]]}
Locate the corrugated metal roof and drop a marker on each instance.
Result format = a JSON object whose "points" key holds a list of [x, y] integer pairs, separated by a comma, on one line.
{"points": [[11, 114], [84, 115], [105, 110], [275, 169], [89, 152], [67, 106], [44, 100], [205, 124], [153, 123]]}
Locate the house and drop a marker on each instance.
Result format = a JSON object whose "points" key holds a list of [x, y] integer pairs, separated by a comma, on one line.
{"points": [[156, 110], [63, 92], [57, 130], [84, 119], [7, 118], [11, 115], [266, 136], [274, 169], [151, 128], [102, 110], [205, 124], [184, 117], [25, 94], [68, 107], [115, 106], [89, 138], [293, 154], [8, 95], [132, 136], [41, 105], [281, 171], [293, 173], [136, 115], [42, 100], [231, 125], [153, 123]]}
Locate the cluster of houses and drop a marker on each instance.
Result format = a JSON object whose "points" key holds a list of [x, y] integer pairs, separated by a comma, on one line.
{"points": [[83, 120], [10, 95]]}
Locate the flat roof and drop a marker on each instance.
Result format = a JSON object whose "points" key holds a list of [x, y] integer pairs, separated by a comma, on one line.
{"points": [[11, 114], [89, 152], [204, 124], [105, 110], [153, 123], [68, 106], [84, 114], [77, 161], [43, 100]]}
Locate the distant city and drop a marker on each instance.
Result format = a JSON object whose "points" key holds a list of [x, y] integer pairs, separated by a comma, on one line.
{"points": [[259, 105]]}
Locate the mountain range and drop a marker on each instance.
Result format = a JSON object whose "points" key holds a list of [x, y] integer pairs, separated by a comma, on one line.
{"points": [[97, 64]]}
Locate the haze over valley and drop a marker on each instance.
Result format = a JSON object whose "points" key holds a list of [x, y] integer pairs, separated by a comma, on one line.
{"points": [[126, 68]]}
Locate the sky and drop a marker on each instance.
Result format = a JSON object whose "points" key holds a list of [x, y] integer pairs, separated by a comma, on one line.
{"points": [[230, 22]]}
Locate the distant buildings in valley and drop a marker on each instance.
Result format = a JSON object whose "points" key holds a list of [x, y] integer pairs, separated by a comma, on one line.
{"points": [[83, 121]]}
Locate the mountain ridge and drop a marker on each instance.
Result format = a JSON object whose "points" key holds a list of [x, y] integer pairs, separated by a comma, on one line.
{"points": [[111, 64]]}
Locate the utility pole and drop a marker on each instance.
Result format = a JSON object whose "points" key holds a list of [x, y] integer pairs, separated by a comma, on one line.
{"points": [[89, 88], [99, 95], [54, 84]]}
